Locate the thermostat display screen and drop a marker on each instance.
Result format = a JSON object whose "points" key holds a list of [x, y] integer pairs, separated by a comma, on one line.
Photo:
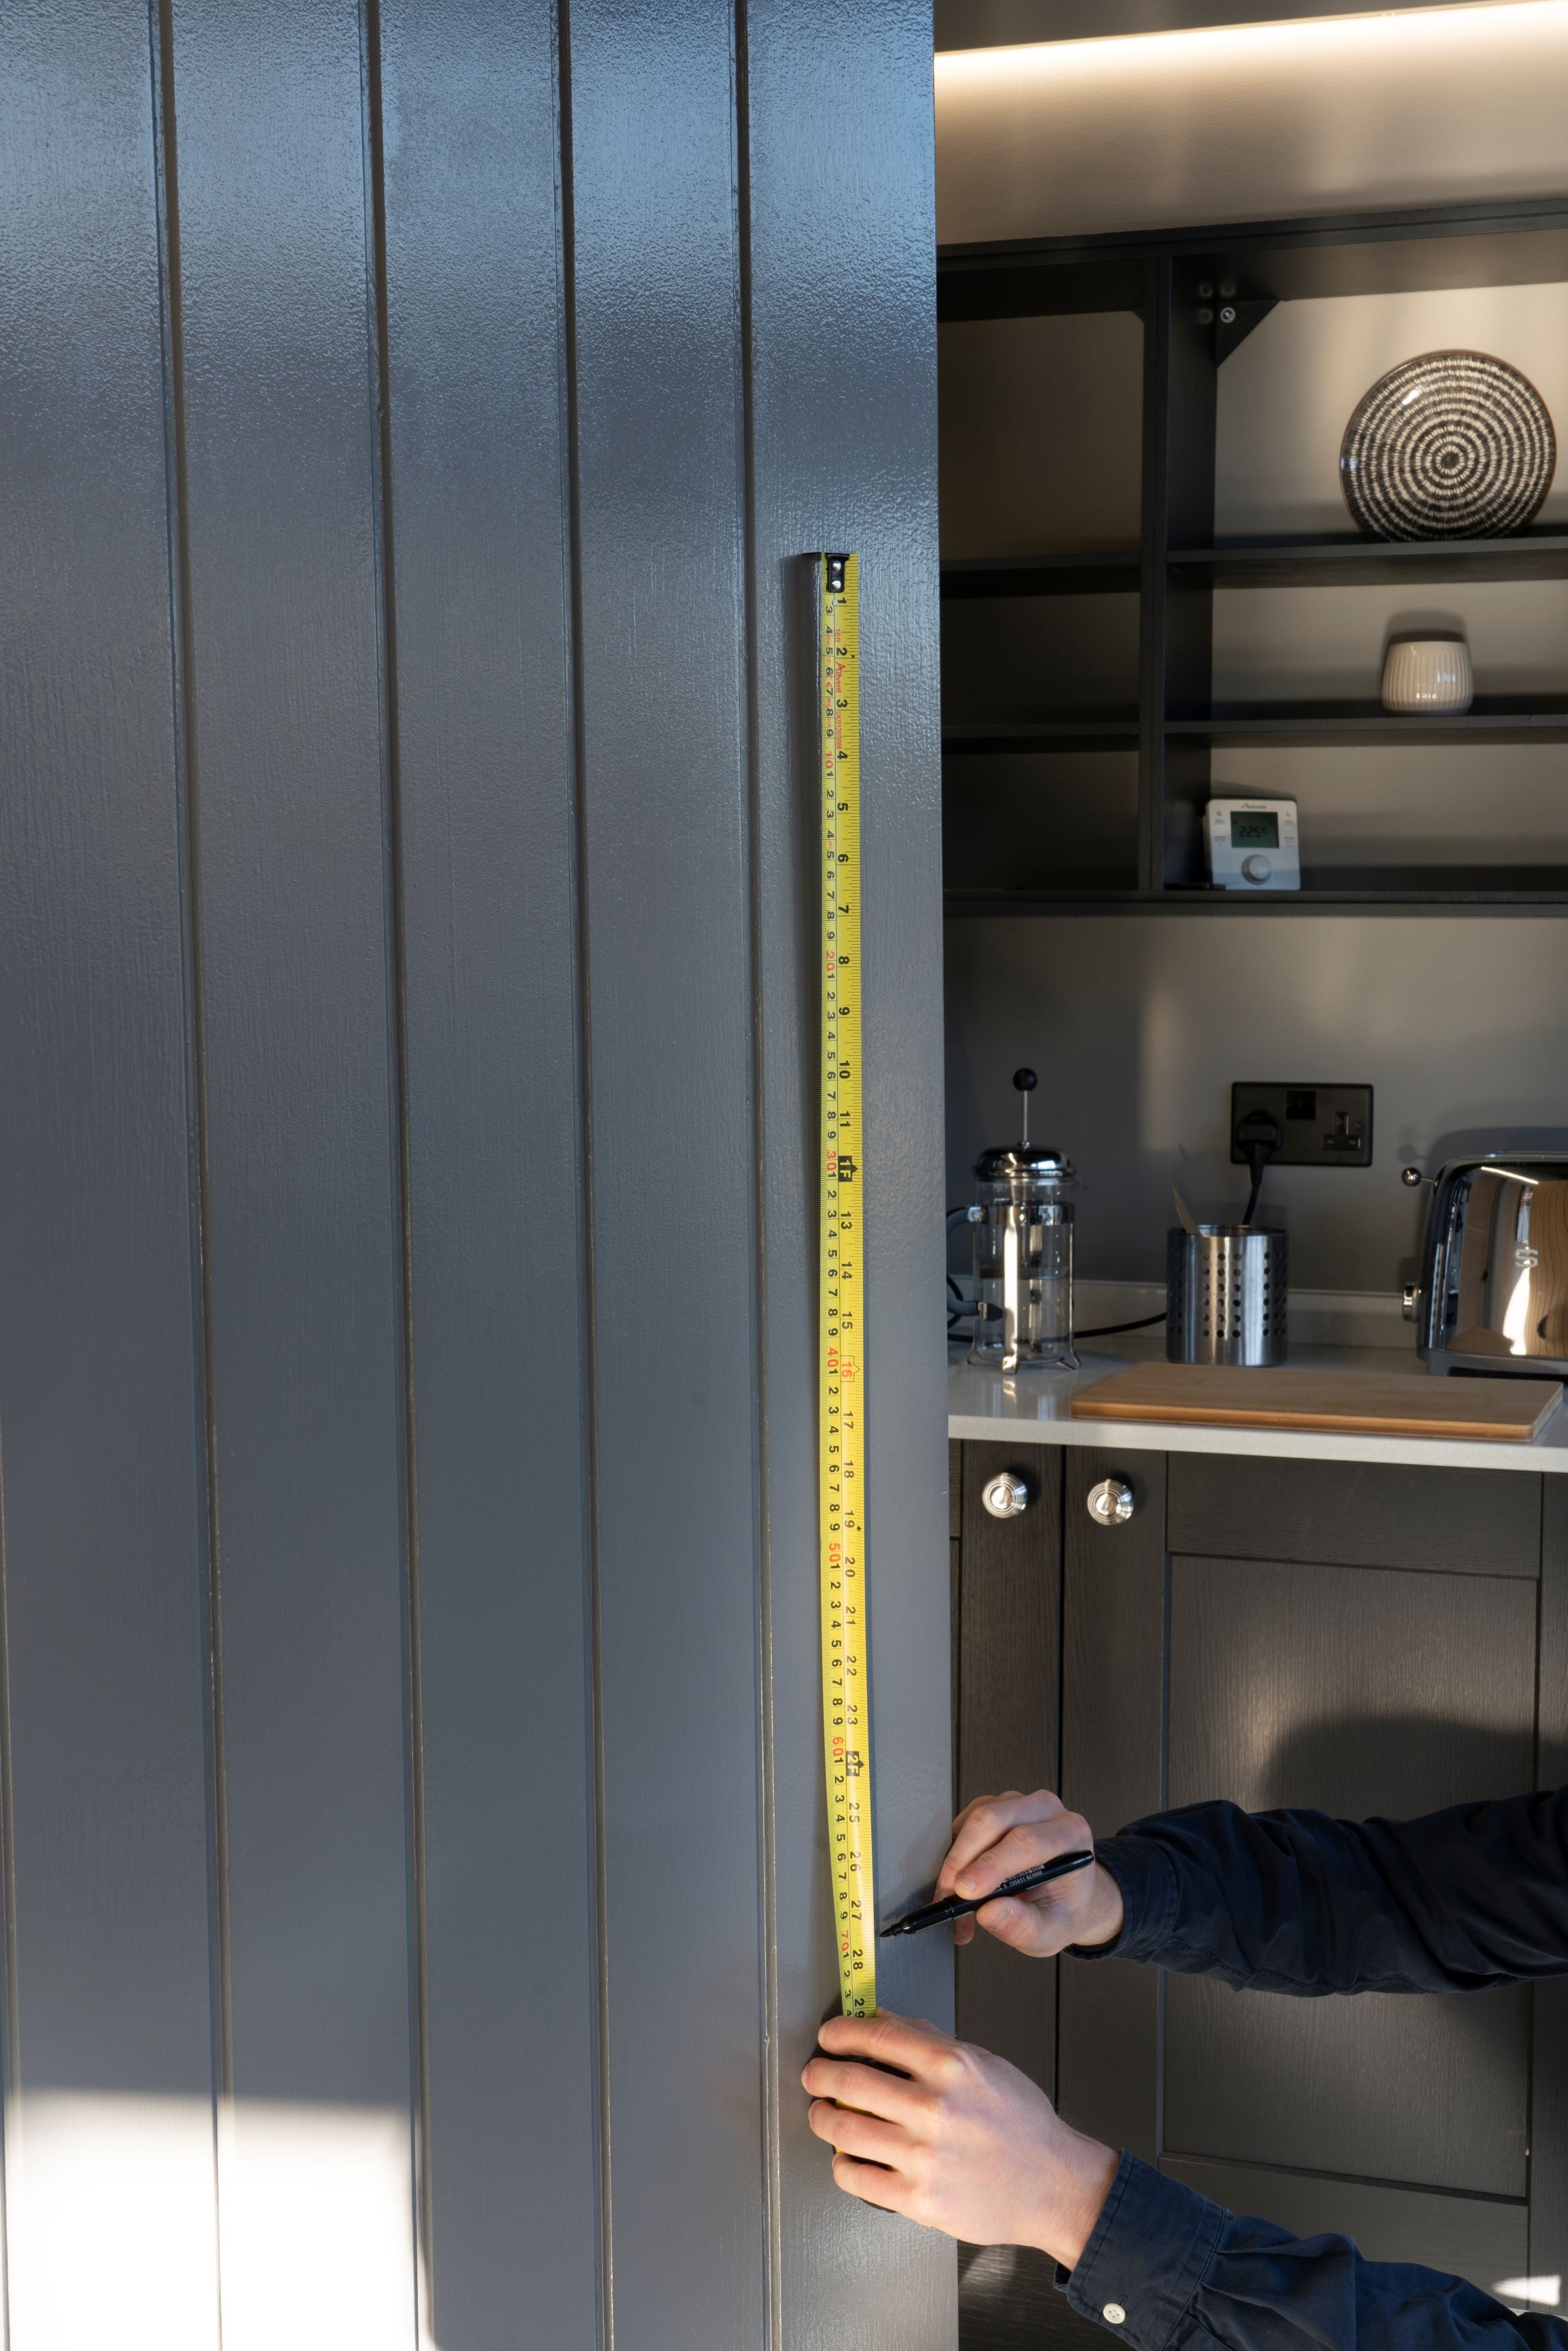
{"points": [[1254, 830]]}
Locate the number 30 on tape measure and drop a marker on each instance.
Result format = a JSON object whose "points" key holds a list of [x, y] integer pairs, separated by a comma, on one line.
{"points": [[846, 1685]]}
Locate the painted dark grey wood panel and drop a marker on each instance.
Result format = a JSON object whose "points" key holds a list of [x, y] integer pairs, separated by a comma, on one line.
{"points": [[1466, 1521], [1009, 1726], [1405, 2088], [109, 2073], [1467, 2236], [1354, 1690], [427, 890], [674, 1214], [303, 1235], [1008, 2300], [841, 310], [478, 538], [1113, 1771]]}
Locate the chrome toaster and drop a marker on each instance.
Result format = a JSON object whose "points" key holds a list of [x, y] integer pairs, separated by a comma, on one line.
{"points": [[1493, 1293]]}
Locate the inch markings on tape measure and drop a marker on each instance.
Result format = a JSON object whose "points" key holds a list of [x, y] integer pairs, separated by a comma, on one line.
{"points": [[846, 1681]]}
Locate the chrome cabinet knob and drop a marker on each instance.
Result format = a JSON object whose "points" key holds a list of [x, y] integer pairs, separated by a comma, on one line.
{"points": [[1111, 1502], [1004, 1496], [1410, 1301]]}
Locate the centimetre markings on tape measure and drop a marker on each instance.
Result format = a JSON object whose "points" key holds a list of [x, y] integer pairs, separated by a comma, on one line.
{"points": [[846, 1685]]}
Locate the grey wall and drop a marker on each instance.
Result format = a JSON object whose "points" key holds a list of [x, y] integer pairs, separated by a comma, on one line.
{"points": [[415, 1916], [1138, 1025]]}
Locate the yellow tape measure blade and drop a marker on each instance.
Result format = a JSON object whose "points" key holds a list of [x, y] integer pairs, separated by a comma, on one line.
{"points": [[846, 1682]]}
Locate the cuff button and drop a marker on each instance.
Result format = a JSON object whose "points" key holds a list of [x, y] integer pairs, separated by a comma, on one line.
{"points": [[1114, 2313]]}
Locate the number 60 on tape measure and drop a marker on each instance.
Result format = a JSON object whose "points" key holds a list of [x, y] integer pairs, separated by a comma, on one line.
{"points": [[841, 1361]]}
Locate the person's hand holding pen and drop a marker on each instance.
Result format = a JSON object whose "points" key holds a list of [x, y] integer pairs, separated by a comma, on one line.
{"points": [[999, 1836], [950, 2136]]}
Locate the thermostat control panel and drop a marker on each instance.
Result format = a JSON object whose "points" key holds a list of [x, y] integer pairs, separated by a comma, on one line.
{"points": [[1251, 845]]}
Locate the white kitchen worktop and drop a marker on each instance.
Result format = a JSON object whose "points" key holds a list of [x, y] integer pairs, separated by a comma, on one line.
{"points": [[1036, 1408]]}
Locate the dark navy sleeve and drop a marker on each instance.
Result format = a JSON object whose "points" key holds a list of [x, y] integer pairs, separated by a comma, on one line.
{"points": [[1166, 2268], [1296, 1902]]}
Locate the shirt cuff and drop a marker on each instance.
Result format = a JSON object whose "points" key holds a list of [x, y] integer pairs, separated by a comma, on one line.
{"points": [[1151, 2247], [1150, 1896]]}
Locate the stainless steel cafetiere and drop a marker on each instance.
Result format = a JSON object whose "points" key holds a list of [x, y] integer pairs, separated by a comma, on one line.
{"points": [[1022, 1223]]}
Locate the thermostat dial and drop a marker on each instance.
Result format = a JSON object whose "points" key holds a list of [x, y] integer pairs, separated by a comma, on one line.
{"points": [[1251, 845]]}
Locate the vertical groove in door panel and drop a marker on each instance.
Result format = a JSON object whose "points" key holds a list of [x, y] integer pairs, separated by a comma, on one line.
{"points": [[583, 1068], [110, 2158], [478, 458], [844, 456], [303, 1242], [166, 135], [771, 2089], [374, 198], [664, 787]]}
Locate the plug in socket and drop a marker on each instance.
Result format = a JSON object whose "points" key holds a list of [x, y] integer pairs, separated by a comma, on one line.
{"points": [[1323, 1126]]}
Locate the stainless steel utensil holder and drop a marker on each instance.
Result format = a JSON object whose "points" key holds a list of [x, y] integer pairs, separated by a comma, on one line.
{"points": [[1225, 1295]]}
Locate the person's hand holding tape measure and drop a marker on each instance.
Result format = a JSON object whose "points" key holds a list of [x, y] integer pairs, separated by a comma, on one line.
{"points": [[997, 1836], [955, 2139]]}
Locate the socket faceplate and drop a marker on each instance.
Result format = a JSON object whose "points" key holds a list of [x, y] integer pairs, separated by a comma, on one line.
{"points": [[1324, 1126]]}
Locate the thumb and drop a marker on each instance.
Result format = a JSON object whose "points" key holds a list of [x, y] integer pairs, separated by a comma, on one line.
{"points": [[1020, 1925]]}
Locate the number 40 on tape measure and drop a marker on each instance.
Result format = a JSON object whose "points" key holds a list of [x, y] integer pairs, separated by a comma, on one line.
{"points": [[842, 1366]]}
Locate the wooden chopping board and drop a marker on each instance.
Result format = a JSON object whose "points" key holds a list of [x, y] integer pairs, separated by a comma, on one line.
{"points": [[1391, 1403]]}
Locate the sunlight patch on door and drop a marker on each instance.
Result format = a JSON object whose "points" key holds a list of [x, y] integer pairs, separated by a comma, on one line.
{"points": [[132, 2223]]}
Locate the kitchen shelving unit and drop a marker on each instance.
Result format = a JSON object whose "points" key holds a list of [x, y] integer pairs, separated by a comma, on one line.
{"points": [[1198, 295]]}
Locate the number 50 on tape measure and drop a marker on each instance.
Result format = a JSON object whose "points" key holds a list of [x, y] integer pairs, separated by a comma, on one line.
{"points": [[842, 1366]]}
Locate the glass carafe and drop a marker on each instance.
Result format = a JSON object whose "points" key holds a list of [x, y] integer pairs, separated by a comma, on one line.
{"points": [[1022, 1223]]}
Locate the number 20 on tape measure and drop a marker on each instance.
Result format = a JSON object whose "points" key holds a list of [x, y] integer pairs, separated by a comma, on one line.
{"points": [[846, 1686]]}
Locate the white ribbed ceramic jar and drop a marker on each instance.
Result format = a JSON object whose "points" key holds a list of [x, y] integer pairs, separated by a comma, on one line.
{"points": [[1428, 674]]}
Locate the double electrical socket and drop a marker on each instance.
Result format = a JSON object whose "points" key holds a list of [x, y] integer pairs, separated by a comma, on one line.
{"points": [[1323, 1126]]}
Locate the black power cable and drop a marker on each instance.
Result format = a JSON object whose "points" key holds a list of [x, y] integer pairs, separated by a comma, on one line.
{"points": [[1109, 1330], [1258, 1137], [1102, 1331]]}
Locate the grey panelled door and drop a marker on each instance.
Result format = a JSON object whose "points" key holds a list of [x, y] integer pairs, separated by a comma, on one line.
{"points": [[411, 418]]}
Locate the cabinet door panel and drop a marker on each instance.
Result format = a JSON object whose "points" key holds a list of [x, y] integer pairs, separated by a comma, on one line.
{"points": [[1359, 1514], [1468, 2235], [1352, 1690], [1429, 2092], [1356, 1691]]}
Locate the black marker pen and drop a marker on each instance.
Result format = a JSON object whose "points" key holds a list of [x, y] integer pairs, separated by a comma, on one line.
{"points": [[937, 1914]]}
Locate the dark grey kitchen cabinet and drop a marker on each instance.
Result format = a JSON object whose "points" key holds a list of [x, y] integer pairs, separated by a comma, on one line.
{"points": [[1358, 1638]]}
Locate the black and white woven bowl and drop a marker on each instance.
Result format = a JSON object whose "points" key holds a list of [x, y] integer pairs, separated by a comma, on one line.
{"points": [[1450, 446]]}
